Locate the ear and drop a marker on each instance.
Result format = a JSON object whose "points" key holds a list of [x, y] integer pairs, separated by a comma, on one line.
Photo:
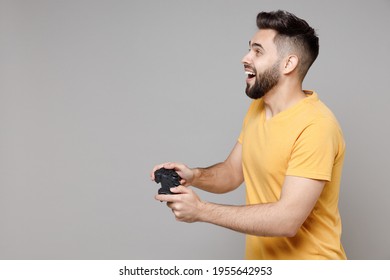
{"points": [[290, 63]]}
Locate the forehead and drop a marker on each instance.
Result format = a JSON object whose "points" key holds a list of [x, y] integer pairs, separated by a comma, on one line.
{"points": [[264, 37]]}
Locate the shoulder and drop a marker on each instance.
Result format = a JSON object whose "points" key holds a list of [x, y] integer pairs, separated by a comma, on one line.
{"points": [[319, 114]]}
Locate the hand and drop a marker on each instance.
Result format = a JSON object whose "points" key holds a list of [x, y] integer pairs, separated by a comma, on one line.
{"points": [[185, 204], [186, 173]]}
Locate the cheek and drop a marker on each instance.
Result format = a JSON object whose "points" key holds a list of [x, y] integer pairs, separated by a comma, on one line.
{"points": [[263, 63], [260, 66]]}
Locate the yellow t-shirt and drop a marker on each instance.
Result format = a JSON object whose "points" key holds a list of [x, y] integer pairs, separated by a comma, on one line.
{"points": [[305, 141]]}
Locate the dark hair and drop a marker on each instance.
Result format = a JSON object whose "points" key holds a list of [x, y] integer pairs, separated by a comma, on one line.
{"points": [[293, 34]]}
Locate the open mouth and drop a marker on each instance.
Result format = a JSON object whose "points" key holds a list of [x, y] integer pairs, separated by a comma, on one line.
{"points": [[250, 74]]}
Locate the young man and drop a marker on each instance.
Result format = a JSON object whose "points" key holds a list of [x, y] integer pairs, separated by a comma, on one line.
{"points": [[290, 154]]}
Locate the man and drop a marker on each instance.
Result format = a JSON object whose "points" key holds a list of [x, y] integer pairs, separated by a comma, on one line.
{"points": [[290, 154]]}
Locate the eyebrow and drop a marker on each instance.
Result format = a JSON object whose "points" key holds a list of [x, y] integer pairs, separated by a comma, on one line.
{"points": [[255, 45]]}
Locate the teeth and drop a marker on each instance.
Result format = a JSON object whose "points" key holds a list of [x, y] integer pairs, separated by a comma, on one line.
{"points": [[249, 73]]}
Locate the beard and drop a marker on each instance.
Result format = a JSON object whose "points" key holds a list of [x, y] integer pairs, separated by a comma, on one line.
{"points": [[264, 82]]}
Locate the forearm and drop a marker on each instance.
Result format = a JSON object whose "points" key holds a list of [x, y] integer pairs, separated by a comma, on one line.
{"points": [[261, 219], [283, 217], [218, 178]]}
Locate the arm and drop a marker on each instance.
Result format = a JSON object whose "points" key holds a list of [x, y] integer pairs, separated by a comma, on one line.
{"points": [[222, 177], [281, 218], [219, 178]]}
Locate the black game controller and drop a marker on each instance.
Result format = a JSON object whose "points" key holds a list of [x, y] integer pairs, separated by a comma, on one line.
{"points": [[168, 179]]}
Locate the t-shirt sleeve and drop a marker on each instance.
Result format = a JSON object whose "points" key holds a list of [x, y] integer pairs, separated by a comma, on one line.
{"points": [[314, 152]]}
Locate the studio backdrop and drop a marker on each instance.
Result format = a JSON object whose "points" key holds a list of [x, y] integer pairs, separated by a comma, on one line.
{"points": [[93, 94]]}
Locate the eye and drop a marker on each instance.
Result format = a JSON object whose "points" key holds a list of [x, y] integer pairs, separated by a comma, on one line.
{"points": [[258, 52]]}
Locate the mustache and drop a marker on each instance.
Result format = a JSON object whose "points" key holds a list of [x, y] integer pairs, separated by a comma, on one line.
{"points": [[250, 68]]}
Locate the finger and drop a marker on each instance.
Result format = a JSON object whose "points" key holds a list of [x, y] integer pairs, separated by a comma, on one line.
{"points": [[170, 165], [170, 205], [175, 165], [166, 198], [157, 167], [179, 189]]}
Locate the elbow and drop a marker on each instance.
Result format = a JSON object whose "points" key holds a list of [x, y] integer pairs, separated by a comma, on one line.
{"points": [[289, 229], [290, 232], [288, 223]]}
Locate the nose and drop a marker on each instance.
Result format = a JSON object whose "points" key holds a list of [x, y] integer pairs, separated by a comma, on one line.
{"points": [[246, 59]]}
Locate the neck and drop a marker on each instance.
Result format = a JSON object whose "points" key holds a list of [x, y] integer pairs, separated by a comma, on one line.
{"points": [[282, 97]]}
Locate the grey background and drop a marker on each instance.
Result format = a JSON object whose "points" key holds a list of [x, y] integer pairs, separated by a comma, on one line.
{"points": [[93, 94]]}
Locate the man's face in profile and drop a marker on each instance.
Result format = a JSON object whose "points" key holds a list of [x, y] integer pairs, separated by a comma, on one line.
{"points": [[261, 64]]}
